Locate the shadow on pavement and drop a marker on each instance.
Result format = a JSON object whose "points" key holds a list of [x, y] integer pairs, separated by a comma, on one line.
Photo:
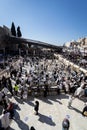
{"points": [[46, 119], [10, 128], [21, 124], [63, 96], [9, 95], [16, 106], [75, 109], [19, 100], [84, 99], [29, 101], [45, 99], [55, 99]]}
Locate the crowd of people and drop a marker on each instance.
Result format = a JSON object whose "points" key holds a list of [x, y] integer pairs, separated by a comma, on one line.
{"points": [[39, 76], [75, 56]]}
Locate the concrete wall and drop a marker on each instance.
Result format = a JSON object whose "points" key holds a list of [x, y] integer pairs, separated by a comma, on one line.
{"points": [[7, 30], [4, 42]]}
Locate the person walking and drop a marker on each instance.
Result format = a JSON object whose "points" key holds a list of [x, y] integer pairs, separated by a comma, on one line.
{"points": [[5, 121], [36, 108], [16, 88], [10, 86], [10, 109], [71, 98], [66, 123]]}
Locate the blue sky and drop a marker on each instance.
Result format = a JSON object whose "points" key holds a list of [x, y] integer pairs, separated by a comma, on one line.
{"points": [[52, 21]]}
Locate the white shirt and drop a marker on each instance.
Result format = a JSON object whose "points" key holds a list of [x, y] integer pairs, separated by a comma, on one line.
{"points": [[5, 119], [79, 91]]}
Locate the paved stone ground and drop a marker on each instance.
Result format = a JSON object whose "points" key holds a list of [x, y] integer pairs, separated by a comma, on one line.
{"points": [[52, 111]]}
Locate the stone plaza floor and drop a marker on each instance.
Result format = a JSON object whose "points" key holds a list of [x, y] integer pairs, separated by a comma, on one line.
{"points": [[52, 111]]}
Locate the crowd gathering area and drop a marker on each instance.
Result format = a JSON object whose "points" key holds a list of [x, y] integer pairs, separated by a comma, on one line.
{"points": [[41, 93]]}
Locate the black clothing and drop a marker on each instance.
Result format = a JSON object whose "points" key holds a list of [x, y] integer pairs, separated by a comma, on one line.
{"points": [[84, 110], [66, 123], [36, 108]]}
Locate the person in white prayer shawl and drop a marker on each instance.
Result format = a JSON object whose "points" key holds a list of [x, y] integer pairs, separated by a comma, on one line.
{"points": [[5, 121]]}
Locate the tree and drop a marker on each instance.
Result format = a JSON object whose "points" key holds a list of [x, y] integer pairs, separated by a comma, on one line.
{"points": [[18, 32], [13, 31]]}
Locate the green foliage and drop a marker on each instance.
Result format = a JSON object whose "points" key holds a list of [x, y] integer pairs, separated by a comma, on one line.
{"points": [[13, 31], [18, 32]]}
